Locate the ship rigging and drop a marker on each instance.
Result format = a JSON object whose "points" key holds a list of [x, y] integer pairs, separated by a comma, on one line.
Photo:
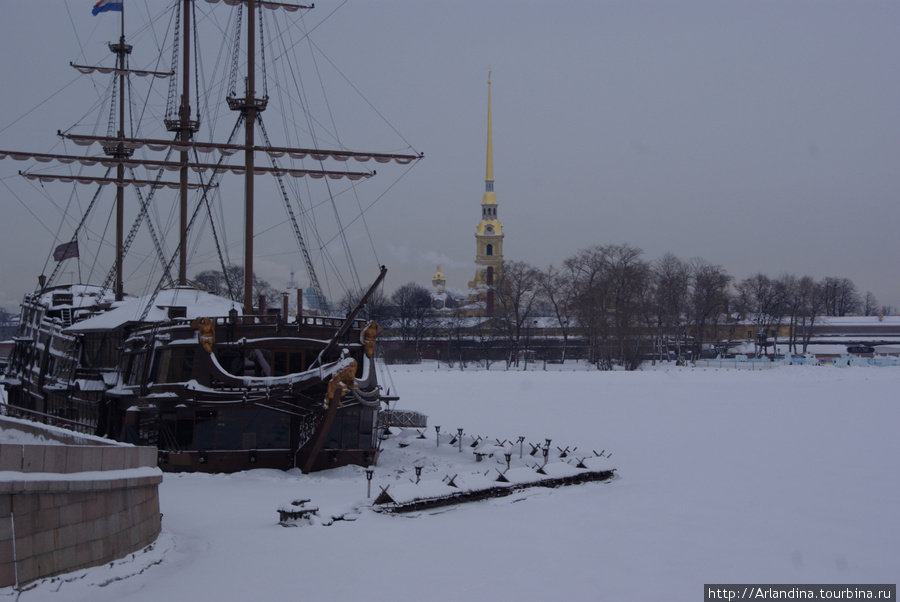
{"points": [[213, 387]]}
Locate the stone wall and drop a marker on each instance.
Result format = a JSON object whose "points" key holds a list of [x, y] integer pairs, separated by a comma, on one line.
{"points": [[67, 507]]}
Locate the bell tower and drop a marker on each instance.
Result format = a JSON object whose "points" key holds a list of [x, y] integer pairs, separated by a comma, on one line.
{"points": [[489, 232], [439, 281]]}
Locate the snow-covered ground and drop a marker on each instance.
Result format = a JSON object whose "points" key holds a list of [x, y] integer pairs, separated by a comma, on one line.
{"points": [[785, 475]]}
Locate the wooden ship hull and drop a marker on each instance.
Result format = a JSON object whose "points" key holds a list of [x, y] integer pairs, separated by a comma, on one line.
{"points": [[212, 393]]}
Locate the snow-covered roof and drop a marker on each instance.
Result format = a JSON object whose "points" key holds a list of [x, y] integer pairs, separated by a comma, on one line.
{"points": [[859, 320], [197, 303], [83, 296]]}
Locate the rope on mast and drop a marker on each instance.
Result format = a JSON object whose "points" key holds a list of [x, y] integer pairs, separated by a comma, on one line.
{"points": [[222, 261], [292, 218], [142, 213], [196, 62], [172, 100], [262, 53], [235, 52], [74, 238]]}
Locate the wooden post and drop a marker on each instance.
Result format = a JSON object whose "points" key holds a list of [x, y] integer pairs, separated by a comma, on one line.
{"points": [[324, 427], [299, 306]]}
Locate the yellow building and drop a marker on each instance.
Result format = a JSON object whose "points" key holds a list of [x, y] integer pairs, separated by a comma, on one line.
{"points": [[439, 281]]}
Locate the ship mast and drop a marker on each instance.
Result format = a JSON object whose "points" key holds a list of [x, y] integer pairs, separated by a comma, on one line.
{"points": [[185, 132], [252, 106], [121, 49]]}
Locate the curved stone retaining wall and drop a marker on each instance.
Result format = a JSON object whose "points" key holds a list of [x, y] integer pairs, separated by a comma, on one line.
{"points": [[70, 506]]}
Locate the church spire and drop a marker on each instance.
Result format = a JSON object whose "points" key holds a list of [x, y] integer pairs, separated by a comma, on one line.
{"points": [[489, 232], [489, 196], [489, 172]]}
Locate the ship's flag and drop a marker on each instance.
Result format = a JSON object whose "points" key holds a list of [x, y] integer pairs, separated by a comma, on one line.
{"points": [[106, 5], [66, 251]]}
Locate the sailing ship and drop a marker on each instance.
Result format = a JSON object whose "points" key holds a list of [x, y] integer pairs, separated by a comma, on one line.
{"points": [[213, 386]]}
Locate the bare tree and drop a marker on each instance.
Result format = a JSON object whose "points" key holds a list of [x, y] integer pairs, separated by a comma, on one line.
{"points": [[557, 291], [841, 297], [377, 308], [589, 274], [794, 308], [671, 284], [785, 289], [228, 284], [485, 338], [516, 290], [709, 298], [458, 340], [810, 306], [870, 304], [414, 313], [629, 276], [759, 299]]}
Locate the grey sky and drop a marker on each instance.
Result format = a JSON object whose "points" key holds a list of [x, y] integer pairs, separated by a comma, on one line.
{"points": [[762, 136]]}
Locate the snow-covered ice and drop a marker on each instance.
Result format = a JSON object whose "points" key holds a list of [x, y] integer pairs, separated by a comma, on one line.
{"points": [[787, 475]]}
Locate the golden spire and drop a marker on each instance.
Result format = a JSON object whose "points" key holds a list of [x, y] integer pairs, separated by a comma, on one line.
{"points": [[489, 176], [489, 196]]}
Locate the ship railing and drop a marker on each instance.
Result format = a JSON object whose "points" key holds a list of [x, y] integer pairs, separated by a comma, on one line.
{"points": [[314, 321], [35, 416], [402, 419]]}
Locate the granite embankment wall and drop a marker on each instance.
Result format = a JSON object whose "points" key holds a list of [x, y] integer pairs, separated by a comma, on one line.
{"points": [[73, 504]]}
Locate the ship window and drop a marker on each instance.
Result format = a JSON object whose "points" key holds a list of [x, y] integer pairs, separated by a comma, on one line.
{"points": [[297, 364], [286, 362], [177, 365], [136, 369], [279, 363], [258, 363], [231, 360], [154, 368]]}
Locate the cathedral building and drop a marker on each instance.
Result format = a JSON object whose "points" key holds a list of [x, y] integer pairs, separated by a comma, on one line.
{"points": [[440, 298], [489, 232]]}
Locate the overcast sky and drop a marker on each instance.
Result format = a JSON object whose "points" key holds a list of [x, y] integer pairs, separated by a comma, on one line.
{"points": [[762, 136]]}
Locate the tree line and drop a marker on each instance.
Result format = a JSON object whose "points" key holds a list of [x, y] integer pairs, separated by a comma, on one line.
{"points": [[606, 304], [613, 307]]}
